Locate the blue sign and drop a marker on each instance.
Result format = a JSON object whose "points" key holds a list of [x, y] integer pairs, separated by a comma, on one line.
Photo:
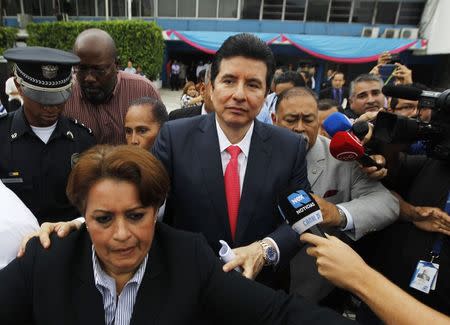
{"points": [[299, 198]]}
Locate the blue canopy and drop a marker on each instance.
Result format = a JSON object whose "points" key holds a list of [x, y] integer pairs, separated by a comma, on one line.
{"points": [[344, 49], [347, 49]]}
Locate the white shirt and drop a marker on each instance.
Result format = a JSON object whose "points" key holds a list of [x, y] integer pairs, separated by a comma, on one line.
{"points": [[118, 308], [16, 221], [244, 144], [44, 133]]}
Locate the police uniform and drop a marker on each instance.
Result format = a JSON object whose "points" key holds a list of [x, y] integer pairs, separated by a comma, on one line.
{"points": [[37, 171]]}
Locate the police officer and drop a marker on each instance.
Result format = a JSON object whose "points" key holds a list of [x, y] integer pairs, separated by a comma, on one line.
{"points": [[39, 146]]}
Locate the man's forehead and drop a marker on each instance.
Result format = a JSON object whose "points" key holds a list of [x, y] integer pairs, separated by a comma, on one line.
{"points": [[366, 86], [297, 105], [228, 66]]}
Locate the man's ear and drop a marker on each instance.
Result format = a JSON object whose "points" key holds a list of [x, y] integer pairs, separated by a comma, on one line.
{"points": [[274, 118]]}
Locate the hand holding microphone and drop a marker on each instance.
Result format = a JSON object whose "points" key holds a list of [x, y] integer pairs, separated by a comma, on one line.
{"points": [[300, 211]]}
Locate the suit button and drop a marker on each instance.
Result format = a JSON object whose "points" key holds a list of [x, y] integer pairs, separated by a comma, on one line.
{"points": [[314, 171]]}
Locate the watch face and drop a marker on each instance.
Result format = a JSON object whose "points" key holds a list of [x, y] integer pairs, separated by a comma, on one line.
{"points": [[271, 254]]}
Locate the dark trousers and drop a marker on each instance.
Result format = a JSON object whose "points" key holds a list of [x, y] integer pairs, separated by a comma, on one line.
{"points": [[174, 82]]}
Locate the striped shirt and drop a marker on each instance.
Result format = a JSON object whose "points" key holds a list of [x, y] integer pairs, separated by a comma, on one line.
{"points": [[118, 309], [107, 120]]}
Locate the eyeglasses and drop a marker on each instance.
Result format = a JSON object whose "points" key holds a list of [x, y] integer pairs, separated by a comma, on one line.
{"points": [[96, 71]]}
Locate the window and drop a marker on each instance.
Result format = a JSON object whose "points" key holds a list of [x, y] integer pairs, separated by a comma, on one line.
{"points": [[386, 12], [250, 9], [87, 7], [317, 10], [295, 10], [207, 8], [363, 12], [30, 7], [167, 8], [186, 8], [410, 13], [272, 9], [340, 10], [228, 8]]}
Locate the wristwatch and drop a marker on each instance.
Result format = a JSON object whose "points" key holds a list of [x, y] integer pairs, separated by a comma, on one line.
{"points": [[269, 253], [343, 217]]}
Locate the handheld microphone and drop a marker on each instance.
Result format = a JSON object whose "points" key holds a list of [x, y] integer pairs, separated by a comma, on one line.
{"points": [[347, 147], [426, 98], [336, 122], [300, 211]]}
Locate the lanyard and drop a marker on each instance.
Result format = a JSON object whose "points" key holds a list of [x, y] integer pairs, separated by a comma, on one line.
{"points": [[437, 247]]}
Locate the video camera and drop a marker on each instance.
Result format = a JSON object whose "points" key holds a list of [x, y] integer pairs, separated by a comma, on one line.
{"points": [[392, 128]]}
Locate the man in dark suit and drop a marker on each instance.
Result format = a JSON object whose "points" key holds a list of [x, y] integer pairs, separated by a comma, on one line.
{"points": [[199, 156], [337, 91]]}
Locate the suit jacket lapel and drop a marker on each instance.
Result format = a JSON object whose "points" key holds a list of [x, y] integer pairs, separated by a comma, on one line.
{"points": [[88, 302], [208, 151], [151, 295], [255, 176], [315, 160]]}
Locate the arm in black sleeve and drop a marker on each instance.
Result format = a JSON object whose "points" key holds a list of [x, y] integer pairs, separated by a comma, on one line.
{"points": [[16, 288]]}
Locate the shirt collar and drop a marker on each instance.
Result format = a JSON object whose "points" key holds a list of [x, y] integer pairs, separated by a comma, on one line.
{"points": [[20, 126], [244, 144], [204, 112], [104, 280]]}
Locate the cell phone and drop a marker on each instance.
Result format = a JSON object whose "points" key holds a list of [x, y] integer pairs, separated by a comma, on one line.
{"points": [[386, 71], [395, 58]]}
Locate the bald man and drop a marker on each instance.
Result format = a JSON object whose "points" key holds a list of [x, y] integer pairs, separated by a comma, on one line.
{"points": [[101, 93]]}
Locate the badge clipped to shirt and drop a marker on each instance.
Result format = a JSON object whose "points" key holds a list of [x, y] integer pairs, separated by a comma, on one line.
{"points": [[425, 275]]}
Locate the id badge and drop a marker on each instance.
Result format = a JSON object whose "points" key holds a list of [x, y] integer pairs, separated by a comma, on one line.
{"points": [[424, 277]]}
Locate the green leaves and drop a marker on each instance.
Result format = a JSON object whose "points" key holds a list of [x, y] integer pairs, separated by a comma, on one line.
{"points": [[137, 39], [7, 38]]}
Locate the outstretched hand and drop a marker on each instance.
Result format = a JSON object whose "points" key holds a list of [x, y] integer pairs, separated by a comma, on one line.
{"points": [[336, 261]]}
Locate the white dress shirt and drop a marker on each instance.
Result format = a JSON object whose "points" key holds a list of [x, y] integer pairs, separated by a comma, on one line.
{"points": [[244, 144], [16, 221]]}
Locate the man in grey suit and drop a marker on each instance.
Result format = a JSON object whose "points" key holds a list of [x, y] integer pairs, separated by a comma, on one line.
{"points": [[351, 202]]}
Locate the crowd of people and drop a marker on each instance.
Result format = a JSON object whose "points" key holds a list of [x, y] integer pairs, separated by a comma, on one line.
{"points": [[114, 188]]}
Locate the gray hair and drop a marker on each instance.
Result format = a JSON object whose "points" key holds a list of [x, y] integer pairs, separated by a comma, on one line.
{"points": [[367, 77]]}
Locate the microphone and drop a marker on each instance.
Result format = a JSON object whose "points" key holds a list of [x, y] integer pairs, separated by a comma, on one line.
{"points": [[336, 122], [431, 99], [346, 146], [300, 211]]}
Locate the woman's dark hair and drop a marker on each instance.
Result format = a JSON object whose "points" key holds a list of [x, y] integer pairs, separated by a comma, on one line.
{"points": [[247, 46], [157, 107], [123, 163]]}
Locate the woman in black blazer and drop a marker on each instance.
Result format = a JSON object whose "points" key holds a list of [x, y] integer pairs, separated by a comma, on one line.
{"points": [[123, 267]]}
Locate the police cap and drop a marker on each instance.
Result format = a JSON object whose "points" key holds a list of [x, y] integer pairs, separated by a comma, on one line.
{"points": [[45, 74]]}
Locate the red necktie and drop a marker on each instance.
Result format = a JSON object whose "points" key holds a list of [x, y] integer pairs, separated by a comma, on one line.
{"points": [[232, 187]]}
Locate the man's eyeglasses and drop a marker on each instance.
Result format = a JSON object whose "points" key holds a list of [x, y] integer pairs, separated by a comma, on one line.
{"points": [[96, 71]]}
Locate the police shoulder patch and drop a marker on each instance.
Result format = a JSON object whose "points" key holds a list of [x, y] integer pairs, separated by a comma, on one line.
{"points": [[76, 122]]}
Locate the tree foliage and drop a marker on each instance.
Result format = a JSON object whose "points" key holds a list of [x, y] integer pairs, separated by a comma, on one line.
{"points": [[137, 39], [7, 38]]}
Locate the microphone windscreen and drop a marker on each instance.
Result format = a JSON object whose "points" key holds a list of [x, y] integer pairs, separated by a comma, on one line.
{"points": [[360, 129], [336, 122], [299, 209], [346, 146], [404, 92]]}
